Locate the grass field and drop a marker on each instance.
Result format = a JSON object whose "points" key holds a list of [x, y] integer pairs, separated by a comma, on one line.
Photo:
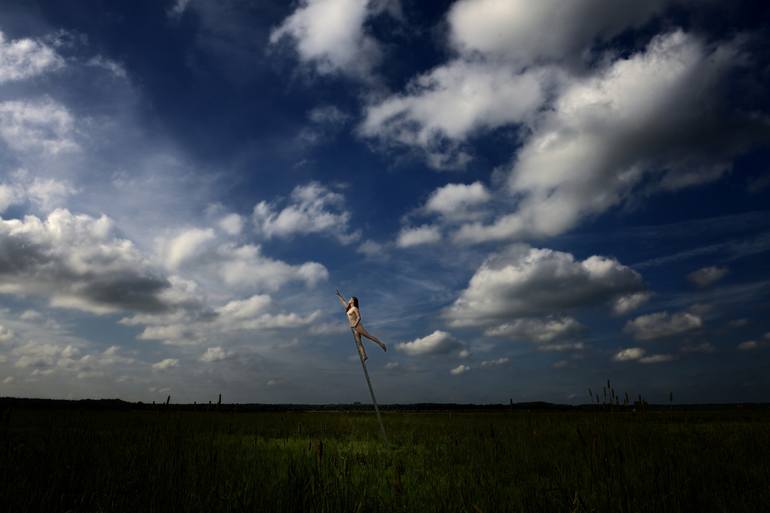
{"points": [[165, 460]]}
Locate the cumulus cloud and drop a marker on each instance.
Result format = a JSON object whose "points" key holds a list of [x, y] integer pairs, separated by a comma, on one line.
{"points": [[246, 267], [438, 342], [450, 103], [639, 118], [165, 364], [538, 330], [749, 345], [417, 236], [232, 224], [44, 193], [523, 32], [630, 353], [330, 35], [524, 282], [460, 369], [6, 334], [657, 358], [216, 354], [311, 209], [625, 304], [457, 201], [77, 261], [37, 126], [496, 363], [707, 276], [662, 324], [25, 58], [186, 245], [638, 354]]}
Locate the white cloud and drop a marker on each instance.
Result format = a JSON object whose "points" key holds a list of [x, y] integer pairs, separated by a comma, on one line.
{"points": [[608, 132], [246, 308], [165, 364], [457, 200], [25, 58], [460, 369], [538, 330], [186, 245], [371, 249], [707, 276], [77, 261], [216, 354], [179, 7], [630, 353], [30, 315], [8, 197], [438, 342], [450, 103], [245, 267], [524, 282], [625, 304], [417, 236], [330, 35], [49, 193], [657, 358], [37, 126], [232, 224], [496, 363], [44, 193], [662, 324], [311, 208], [6, 334], [104, 63], [749, 345], [523, 32]]}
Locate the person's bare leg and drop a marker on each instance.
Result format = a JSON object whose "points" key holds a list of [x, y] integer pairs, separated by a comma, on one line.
{"points": [[373, 338], [360, 346]]}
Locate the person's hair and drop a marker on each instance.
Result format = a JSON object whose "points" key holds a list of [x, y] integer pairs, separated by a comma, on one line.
{"points": [[355, 301]]}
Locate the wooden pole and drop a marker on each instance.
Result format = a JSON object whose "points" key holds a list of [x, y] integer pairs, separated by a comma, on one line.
{"points": [[371, 390]]}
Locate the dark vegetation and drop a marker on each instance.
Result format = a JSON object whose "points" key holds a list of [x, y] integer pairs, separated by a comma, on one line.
{"points": [[114, 456]]}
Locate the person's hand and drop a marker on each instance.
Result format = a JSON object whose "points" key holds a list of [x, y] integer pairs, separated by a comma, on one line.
{"points": [[338, 293]]}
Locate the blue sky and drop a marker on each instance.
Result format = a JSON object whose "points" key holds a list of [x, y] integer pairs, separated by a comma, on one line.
{"points": [[528, 199]]}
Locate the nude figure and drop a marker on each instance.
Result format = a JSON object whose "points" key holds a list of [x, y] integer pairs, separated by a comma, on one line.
{"points": [[354, 318]]}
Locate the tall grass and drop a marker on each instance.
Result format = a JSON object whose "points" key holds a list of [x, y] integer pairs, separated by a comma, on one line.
{"points": [[167, 461]]}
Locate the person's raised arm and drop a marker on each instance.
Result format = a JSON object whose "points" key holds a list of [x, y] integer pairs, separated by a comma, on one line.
{"points": [[341, 299]]}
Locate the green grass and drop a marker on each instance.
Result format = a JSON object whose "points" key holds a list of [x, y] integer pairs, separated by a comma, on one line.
{"points": [[165, 461]]}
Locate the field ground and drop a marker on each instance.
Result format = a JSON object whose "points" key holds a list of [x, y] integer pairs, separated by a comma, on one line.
{"points": [[166, 460]]}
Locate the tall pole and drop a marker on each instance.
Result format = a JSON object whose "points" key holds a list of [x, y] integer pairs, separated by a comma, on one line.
{"points": [[371, 390]]}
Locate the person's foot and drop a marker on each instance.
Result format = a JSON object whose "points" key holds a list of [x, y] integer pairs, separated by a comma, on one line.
{"points": [[384, 347]]}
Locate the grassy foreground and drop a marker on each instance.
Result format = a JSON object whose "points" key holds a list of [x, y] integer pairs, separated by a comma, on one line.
{"points": [[210, 461]]}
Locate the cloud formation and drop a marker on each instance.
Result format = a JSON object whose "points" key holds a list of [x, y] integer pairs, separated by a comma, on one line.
{"points": [[438, 342], [524, 282], [37, 126], [707, 276], [639, 118], [25, 58], [311, 209], [417, 236], [523, 33], [330, 35], [77, 261], [662, 324]]}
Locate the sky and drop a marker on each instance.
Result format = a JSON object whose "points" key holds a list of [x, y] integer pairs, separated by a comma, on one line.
{"points": [[528, 199]]}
